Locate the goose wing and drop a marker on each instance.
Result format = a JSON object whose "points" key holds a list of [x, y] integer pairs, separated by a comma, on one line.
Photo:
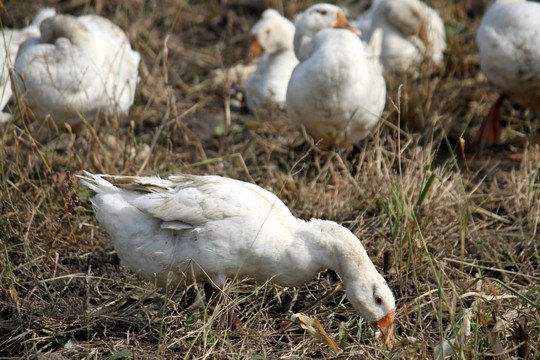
{"points": [[188, 201]]}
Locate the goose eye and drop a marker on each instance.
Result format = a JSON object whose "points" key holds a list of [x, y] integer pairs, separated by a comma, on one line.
{"points": [[378, 300], [267, 31], [322, 12]]}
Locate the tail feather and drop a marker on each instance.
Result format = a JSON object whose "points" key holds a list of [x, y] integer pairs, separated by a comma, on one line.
{"points": [[97, 183]]}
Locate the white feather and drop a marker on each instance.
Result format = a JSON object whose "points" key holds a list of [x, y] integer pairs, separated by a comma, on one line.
{"points": [[78, 68], [269, 81], [509, 45], [337, 92]]}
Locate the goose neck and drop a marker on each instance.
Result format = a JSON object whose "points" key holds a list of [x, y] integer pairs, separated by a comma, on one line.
{"points": [[335, 247]]}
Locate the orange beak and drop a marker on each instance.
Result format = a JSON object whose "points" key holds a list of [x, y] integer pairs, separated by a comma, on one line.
{"points": [[386, 325], [423, 33], [255, 48], [343, 23]]}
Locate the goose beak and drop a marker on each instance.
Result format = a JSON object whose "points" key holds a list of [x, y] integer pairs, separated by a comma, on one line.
{"points": [[386, 325], [255, 48], [343, 23], [423, 33]]}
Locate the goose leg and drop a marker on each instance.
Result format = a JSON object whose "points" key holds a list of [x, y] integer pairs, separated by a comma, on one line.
{"points": [[489, 131], [233, 322]]}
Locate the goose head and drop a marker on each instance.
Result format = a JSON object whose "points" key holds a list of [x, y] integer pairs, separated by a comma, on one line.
{"points": [[314, 19], [366, 289], [61, 27], [406, 16], [273, 33], [374, 301]]}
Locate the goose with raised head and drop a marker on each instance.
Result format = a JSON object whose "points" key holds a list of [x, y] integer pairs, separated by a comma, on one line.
{"points": [[208, 228], [508, 41], [411, 30], [337, 92], [9, 46], [79, 68], [272, 39]]}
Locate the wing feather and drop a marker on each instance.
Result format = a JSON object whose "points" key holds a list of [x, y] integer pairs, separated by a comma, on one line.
{"points": [[187, 201]]}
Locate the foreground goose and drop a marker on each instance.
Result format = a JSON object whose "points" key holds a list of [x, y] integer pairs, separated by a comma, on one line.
{"points": [[10, 41], [208, 229], [78, 68], [271, 37], [411, 30], [337, 92], [508, 41]]}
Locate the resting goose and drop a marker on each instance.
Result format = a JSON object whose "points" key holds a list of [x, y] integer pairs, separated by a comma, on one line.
{"points": [[9, 45], [411, 30], [337, 92], [78, 68], [207, 229], [271, 37], [508, 41]]}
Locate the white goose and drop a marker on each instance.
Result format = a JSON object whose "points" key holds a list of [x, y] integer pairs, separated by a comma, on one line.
{"points": [[271, 37], [508, 41], [411, 30], [79, 67], [337, 92], [207, 228], [10, 41]]}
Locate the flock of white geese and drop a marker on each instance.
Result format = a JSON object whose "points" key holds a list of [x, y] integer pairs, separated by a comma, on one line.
{"points": [[331, 81]]}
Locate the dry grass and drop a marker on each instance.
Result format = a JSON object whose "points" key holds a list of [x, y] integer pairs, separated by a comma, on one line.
{"points": [[455, 232]]}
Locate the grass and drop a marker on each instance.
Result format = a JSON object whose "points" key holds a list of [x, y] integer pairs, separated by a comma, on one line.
{"points": [[455, 231]]}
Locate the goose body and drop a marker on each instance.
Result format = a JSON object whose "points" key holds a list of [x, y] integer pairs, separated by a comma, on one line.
{"points": [[207, 228], [78, 67], [337, 92], [273, 37], [411, 30], [10, 41], [507, 40]]}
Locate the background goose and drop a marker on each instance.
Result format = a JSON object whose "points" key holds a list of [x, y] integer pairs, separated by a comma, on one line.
{"points": [[337, 92], [208, 228], [411, 30], [79, 67], [271, 37], [9, 46], [508, 41]]}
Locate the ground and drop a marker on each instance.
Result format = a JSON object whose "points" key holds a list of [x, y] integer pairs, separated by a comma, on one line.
{"points": [[455, 230]]}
